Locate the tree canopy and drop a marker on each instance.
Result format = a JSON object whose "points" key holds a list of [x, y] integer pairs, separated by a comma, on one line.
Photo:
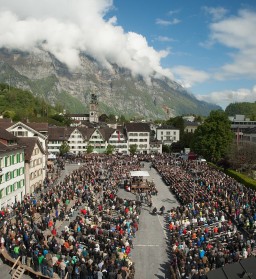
{"points": [[245, 108], [21, 105], [110, 149], [213, 138], [64, 148], [133, 149]]}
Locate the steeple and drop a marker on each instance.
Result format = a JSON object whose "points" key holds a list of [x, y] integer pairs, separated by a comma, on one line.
{"points": [[94, 117]]}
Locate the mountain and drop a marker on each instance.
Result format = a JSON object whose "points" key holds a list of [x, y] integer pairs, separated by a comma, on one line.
{"points": [[118, 91]]}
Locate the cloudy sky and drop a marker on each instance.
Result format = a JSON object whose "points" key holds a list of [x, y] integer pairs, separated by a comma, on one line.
{"points": [[207, 46]]}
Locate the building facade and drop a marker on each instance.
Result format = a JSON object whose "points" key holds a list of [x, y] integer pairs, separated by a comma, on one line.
{"points": [[12, 170], [167, 134], [34, 166], [139, 134]]}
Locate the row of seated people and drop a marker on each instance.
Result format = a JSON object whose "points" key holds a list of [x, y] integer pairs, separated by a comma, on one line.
{"points": [[205, 231]]}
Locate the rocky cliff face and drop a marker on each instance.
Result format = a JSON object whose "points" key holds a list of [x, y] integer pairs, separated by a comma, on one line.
{"points": [[118, 91]]}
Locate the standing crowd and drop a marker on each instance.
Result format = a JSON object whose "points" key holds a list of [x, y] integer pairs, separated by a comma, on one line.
{"points": [[78, 226]]}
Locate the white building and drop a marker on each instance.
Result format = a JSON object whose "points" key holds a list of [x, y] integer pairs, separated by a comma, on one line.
{"points": [[118, 140], [139, 134], [167, 134], [12, 169], [239, 123], [190, 126], [34, 167], [22, 130]]}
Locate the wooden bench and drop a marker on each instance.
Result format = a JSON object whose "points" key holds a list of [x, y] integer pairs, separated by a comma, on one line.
{"points": [[28, 269]]}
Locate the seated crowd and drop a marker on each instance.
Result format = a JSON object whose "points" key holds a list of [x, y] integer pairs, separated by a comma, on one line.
{"points": [[215, 222], [95, 242]]}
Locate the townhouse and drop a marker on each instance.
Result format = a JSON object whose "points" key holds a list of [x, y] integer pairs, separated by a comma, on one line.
{"points": [[34, 165], [12, 169], [139, 134], [167, 134]]}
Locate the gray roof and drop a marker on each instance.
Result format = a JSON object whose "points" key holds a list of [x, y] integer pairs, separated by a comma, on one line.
{"points": [[137, 127]]}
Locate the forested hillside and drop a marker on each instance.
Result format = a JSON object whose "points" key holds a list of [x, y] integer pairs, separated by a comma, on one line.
{"points": [[18, 104], [248, 109]]}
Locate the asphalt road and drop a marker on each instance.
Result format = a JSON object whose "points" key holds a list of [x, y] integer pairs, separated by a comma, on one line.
{"points": [[150, 252]]}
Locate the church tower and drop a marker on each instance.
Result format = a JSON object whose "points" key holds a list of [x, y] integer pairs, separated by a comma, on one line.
{"points": [[94, 110]]}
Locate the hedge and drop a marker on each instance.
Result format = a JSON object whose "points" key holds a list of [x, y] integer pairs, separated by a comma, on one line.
{"points": [[242, 178], [247, 181]]}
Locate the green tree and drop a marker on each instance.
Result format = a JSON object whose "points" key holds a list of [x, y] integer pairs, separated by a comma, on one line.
{"points": [[166, 148], [9, 114], [111, 118], [177, 122], [133, 149], [122, 119], [103, 118], [64, 148], [110, 149], [62, 119], [213, 138], [89, 149]]}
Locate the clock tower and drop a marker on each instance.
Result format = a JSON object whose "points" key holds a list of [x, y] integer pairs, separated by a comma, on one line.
{"points": [[94, 110]]}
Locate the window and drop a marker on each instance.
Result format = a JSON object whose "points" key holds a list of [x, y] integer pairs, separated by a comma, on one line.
{"points": [[168, 133], [7, 161], [18, 157], [7, 190], [162, 133], [7, 176], [174, 133]]}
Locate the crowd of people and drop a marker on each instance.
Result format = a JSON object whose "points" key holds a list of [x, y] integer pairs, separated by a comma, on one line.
{"points": [[78, 226], [81, 227], [216, 221]]}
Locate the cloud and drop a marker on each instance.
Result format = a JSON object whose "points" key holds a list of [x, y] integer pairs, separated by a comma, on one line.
{"points": [[173, 12], [226, 97], [67, 27], [236, 33], [164, 39], [216, 13], [163, 22], [188, 76]]}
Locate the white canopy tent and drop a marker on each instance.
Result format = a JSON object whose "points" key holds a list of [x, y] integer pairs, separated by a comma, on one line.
{"points": [[51, 156], [139, 173]]}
